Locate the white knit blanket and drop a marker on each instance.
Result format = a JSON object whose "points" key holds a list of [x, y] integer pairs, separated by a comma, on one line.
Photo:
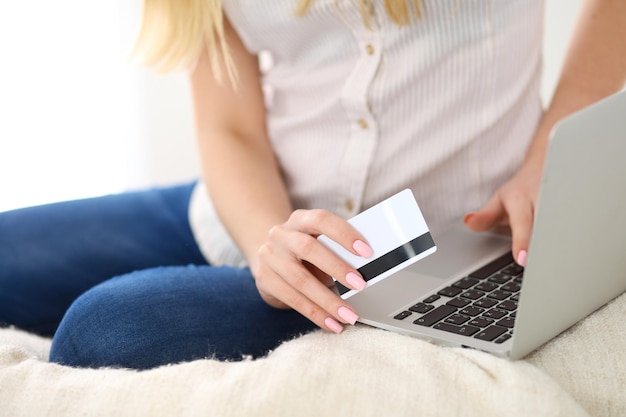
{"points": [[362, 372]]}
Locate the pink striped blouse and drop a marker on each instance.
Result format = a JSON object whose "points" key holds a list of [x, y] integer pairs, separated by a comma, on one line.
{"points": [[446, 106]]}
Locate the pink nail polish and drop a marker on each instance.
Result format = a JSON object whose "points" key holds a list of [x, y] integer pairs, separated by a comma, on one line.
{"points": [[333, 325], [521, 257], [362, 249], [348, 315], [355, 281]]}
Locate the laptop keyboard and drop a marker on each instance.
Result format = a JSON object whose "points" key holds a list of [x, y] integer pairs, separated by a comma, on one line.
{"points": [[481, 305]]}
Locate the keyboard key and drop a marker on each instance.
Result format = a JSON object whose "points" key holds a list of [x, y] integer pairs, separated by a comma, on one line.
{"points": [[465, 283], [508, 305], [499, 295], [472, 311], [485, 303], [511, 287], [493, 267], [431, 299], [494, 313], [515, 297], [434, 316], [450, 292], [486, 286], [490, 333], [481, 322], [506, 322], [402, 315], [457, 319], [421, 308], [514, 270], [500, 278], [464, 330], [458, 302], [503, 338], [472, 294]]}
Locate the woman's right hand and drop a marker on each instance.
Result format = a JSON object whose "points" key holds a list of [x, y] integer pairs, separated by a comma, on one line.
{"points": [[294, 269]]}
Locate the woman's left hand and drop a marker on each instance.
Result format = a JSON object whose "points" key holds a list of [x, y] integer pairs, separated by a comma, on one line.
{"points": [[594, 67], [512, 205]]}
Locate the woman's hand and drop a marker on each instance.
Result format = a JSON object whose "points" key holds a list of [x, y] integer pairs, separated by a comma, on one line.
{"points": [[294, 269], [512, 205], [595, 66]]}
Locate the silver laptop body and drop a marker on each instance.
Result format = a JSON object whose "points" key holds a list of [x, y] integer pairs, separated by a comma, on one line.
{"points": [[577, 255]]}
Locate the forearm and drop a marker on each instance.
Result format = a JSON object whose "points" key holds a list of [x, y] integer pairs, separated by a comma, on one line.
{"points": [[595, 67], [237, 160], [244, 183]]}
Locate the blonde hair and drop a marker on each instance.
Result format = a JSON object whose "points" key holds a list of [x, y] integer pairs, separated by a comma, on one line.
{"points": [[398, 10], [174, 32]]}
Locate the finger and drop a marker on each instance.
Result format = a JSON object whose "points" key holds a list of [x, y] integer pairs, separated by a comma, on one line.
{"points": [[274, 283], [303, 281], [307, 248], [270, 299], [317, 222], [490, 215], [279, 263], [520, 212], [300, 303], [324, 278]]}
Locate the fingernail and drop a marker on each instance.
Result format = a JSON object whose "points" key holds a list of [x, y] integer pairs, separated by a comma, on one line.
{"points": [[362, 249], [355, 281], [521, 257], [468, 217], [348, 315], [333, 325]]}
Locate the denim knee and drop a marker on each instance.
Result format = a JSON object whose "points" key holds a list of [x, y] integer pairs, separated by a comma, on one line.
{"points": [[172, 314], [119, 323], [84, 337]]}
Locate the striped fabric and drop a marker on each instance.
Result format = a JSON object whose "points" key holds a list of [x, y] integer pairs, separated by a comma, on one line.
{"points": [[445, 107]]}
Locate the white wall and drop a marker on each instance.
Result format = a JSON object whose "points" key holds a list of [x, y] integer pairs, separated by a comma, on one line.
{"points": [[160, 139], [59, 86], [77, 120]]}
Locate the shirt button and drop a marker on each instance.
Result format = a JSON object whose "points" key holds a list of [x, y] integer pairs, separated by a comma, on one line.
{"points": [[349, 205], [369, 48], [363, 124]]}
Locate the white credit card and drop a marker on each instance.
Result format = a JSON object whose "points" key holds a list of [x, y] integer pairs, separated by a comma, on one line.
{"points": [[396, 231]]}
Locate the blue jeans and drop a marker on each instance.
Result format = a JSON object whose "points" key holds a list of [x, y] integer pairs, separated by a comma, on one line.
{"points": [[119, 281]]}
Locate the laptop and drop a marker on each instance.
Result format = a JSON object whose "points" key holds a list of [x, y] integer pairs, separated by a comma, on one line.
{"points": [[471, 293]]}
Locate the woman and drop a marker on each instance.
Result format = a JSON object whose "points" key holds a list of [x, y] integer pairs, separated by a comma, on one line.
{"points": [[363, 99]]}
